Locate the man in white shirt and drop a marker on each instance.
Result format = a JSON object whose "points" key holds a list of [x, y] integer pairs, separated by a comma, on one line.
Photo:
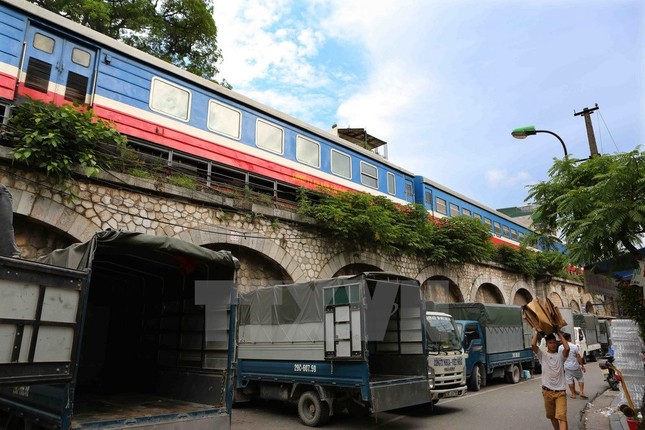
{"points": [[573, 369], [554, 389]]}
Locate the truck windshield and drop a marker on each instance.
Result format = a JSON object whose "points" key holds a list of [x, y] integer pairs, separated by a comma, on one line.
{"points": [[441, 334]]}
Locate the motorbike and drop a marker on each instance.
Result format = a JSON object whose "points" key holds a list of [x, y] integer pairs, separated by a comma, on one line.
{"points": [[607, 369]]}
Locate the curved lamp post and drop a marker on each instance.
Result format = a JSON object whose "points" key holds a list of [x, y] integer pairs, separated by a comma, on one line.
{"points": [[529, 130]]}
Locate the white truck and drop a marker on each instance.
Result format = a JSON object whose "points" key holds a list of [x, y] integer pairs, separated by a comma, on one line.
{"points": [[583, 329], [446, 358]]}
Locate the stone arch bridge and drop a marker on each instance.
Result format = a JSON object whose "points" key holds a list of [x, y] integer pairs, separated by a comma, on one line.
{"points": [[273, 244]]}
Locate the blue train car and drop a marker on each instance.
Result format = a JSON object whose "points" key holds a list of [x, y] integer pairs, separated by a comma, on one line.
{"points": [[192, 123], [441, 201]]}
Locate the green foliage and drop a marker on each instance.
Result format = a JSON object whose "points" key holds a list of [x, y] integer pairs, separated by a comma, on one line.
{"points": [[58, 139], [363, 220], [597, 208], [596, 205], [183, 181], [182, 32]]}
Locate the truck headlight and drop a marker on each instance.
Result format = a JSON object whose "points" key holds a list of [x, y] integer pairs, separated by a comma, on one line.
{"points": [[431, 377]]}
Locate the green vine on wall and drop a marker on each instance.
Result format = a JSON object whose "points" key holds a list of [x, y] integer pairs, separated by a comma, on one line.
{"points": [[360, 220], [59, 139]]}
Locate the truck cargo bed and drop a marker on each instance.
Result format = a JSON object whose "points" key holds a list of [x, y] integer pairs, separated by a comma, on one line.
{"points": [[124, 406]]}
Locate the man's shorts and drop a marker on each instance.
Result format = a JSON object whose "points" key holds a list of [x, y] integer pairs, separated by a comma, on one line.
{"points": [[555, 404], [570, 375]]}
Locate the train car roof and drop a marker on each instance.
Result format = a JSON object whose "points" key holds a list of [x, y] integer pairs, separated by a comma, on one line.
{"points": [[473, 202], [116, 45]]}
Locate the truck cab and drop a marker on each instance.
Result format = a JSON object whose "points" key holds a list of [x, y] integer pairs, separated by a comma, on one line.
{"points": [[446, 361]]}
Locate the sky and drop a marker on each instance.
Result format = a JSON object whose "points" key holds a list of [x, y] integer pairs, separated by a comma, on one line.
{"points": [[444, 82]]}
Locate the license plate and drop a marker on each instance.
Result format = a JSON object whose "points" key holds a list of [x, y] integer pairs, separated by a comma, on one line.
{"points": [[604, 371]]}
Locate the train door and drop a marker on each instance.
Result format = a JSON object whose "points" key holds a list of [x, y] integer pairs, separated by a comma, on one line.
{"points": [[56, 69]]}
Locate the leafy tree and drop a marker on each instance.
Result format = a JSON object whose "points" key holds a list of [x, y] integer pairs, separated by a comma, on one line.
{"points": [[597, 207], [58, 139], [182, 32]]}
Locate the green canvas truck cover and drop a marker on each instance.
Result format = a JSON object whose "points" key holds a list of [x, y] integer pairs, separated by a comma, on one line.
{"points": [[488, 315]]}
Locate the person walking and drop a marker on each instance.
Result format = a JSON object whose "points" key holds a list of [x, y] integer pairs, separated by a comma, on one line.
{"points": [[574, 369], [554, 389]]}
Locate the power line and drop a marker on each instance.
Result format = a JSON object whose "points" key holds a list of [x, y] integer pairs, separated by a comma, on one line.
{"points": [[608, 131]]}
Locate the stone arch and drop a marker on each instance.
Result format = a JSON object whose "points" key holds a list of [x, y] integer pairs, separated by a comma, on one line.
{"points": [[521, 293], [355, 269], [256, 270], [35, 239], [262, 261], [33, 209], [441, 289], [340, 261], [556, 299], [522, 297], [489, 293], [574, 305], [490, 281]]}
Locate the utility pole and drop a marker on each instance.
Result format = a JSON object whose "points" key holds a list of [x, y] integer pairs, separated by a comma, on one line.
{"points": [[586, 112]]}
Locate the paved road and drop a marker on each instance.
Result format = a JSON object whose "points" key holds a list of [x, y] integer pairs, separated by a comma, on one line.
{"points": [[499, 406]]}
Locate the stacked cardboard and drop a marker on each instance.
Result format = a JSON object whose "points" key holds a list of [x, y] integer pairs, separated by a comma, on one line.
{"points": [[543, 315]]}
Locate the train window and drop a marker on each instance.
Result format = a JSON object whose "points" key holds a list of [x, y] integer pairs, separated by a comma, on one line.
{"points": [[428, 198], [409, 191], [341, 164], [466, 212], [521, 236], [369, 175], [489, 223], [454, 209], [506, 231], [307, 151], [441, 206], [38, 75], [477, 216], [222, 119], [76, 87], [80, 57], [513, 234], [269, 137], [169, 99], [497, 228], [44, 43], [391, 183]]}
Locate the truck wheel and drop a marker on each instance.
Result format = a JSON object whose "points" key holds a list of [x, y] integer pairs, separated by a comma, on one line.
{"points": [[475, 383], [311, 410], [593, 357], [513, 377]]}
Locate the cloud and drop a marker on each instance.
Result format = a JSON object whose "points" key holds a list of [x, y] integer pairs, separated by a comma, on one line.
{"points": [[501, 178]]}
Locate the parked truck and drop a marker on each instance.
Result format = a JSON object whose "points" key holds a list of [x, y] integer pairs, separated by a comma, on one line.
{"points": [[352, 342], [123, 331], [496, 339], [446, 357], [604, 334], [585, 333]]}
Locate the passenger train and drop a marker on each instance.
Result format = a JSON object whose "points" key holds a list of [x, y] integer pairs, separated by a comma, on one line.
{"points": [[200, 127]]}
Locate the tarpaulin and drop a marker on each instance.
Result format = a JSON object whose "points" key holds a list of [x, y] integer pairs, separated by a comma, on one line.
{"points": [[543, 315]]}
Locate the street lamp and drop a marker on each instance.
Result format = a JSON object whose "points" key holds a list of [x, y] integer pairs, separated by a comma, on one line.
{"points": [[529, 130]]}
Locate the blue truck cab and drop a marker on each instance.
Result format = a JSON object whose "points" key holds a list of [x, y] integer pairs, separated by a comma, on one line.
{"points": [[496, 340]]}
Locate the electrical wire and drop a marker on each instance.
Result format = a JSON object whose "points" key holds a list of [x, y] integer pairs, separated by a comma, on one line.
{"points": [[608, 131]]}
